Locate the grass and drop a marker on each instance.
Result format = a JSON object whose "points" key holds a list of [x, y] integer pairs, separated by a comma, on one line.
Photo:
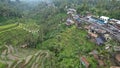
{"points": [[2, 65]]}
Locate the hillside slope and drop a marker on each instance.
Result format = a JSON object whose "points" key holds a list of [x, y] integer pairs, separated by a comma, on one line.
{"points": [[13, 51], [69, 46], [12, 57]]}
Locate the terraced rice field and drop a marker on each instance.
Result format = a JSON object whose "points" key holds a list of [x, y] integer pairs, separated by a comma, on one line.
{"points": [[25, 58], [7, 27]]}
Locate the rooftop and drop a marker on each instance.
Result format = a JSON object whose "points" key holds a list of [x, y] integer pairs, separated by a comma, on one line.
{"points": [[117, 57], [84, 61], [104, 17], [115, 67]]}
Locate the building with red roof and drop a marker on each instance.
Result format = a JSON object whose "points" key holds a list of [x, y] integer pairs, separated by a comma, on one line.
{"points": [[84, 62]]}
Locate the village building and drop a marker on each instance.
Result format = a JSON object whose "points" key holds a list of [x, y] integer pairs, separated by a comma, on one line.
{"points": [[96, 33], [69, 22], [115, 67], [92, 19], [96, 56], [84, 62], [107, 37], [71, 12], [78, 21], [76, 17], [105, 19], [99, 41], [116, 48], [92, 34], [118, 22], [118, 25], [117, 57], [113, 21], [109, 47], [88, 14], [87, 27]]}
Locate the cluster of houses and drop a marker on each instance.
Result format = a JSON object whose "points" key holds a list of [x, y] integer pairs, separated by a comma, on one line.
{"points": [[114, 58], [100, 30], [96, 34], [73, 18], [109, 26], [96, 56]]}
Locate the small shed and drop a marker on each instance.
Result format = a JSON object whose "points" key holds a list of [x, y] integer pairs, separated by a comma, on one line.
{"points": [[99, 41], [75, 17], [117, 57], [96, 56], [69, 22], [93, 34], [107, 37], [87, 27], [84, 62]]}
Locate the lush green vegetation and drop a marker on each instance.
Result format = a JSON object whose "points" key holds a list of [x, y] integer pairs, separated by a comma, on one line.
{"points": [[2, 65], [68, 46], [6, 27], [15, 37], [41, 27]]}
